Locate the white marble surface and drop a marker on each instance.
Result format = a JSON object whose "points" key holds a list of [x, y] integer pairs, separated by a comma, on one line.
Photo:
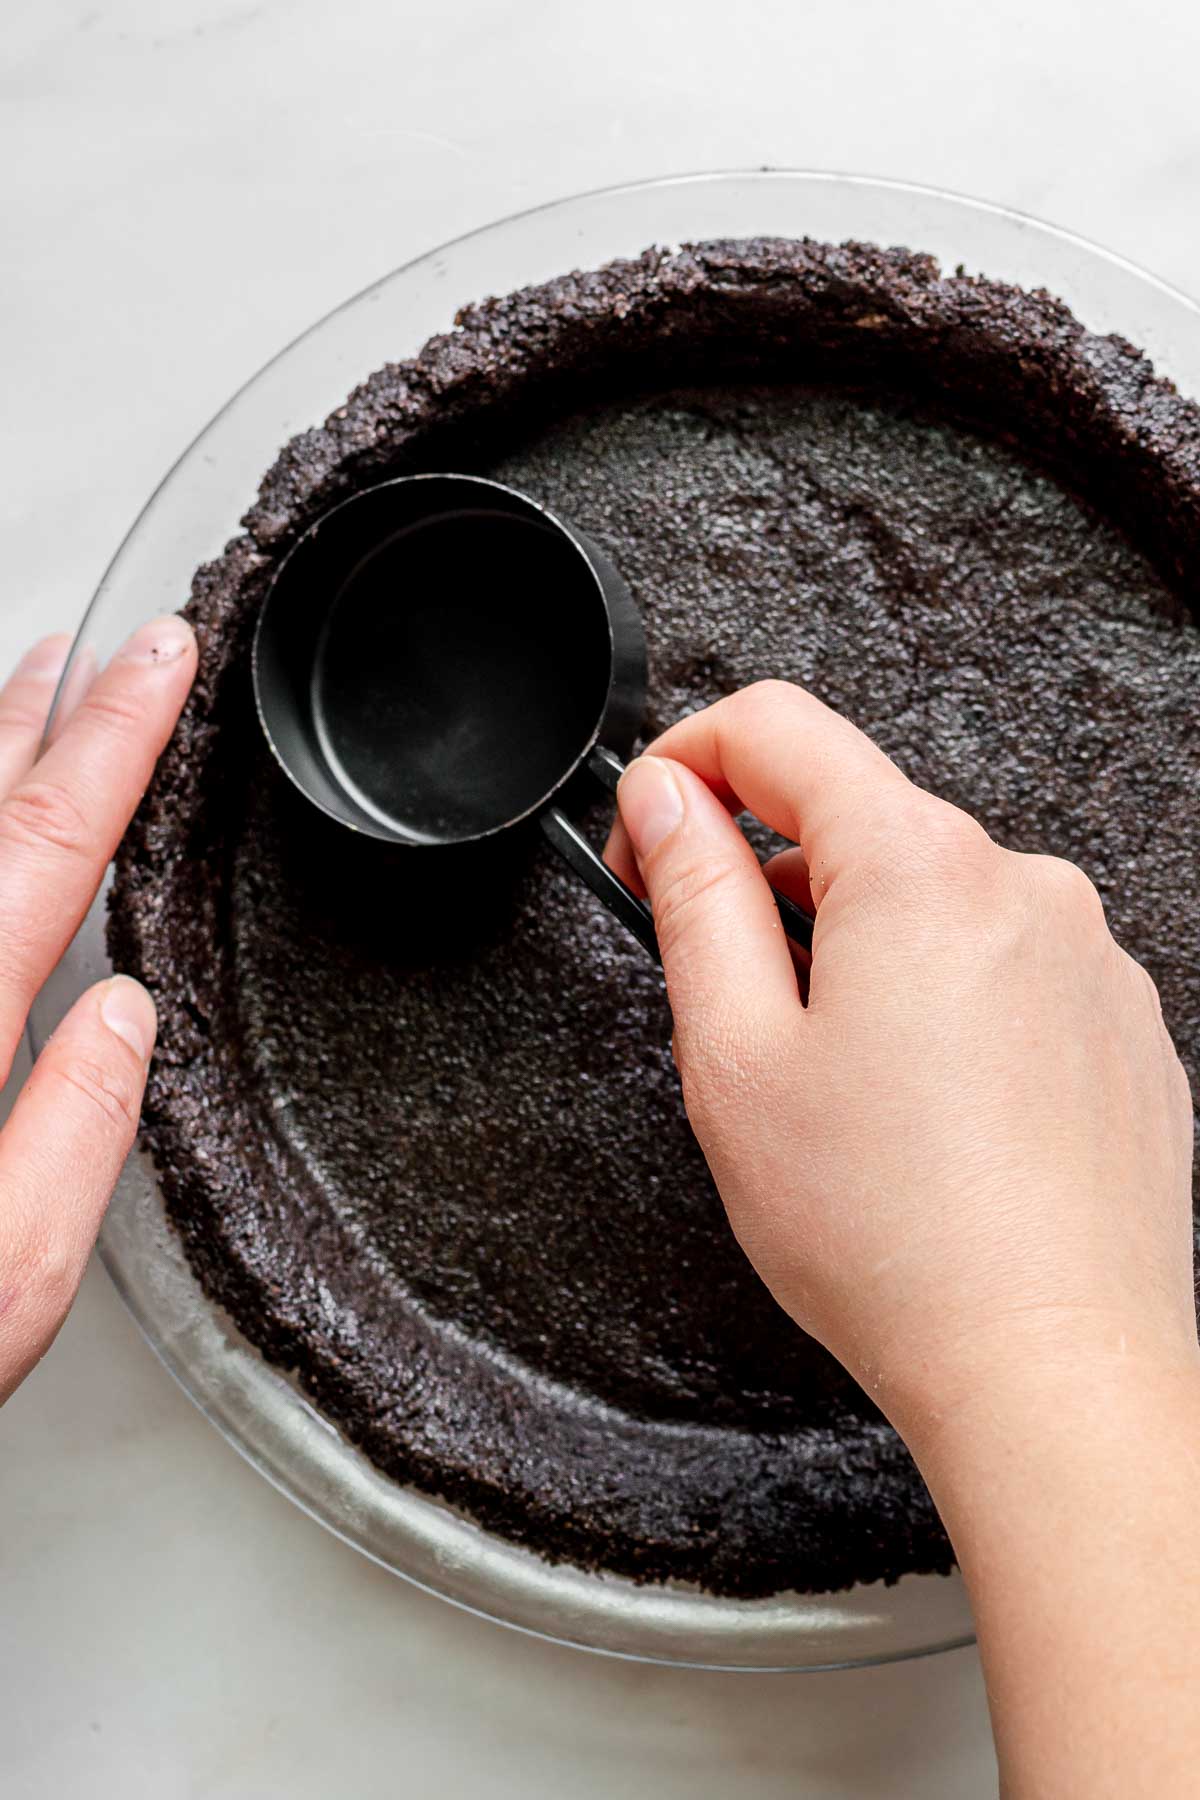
{"points": [[188, 183]]}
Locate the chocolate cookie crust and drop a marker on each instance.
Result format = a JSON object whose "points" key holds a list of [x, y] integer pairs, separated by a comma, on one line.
{"points": [[445, 1174]]}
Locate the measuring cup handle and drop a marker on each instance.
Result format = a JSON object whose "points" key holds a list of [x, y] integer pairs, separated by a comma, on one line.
{"points": [[590, 866], [620, 900]]}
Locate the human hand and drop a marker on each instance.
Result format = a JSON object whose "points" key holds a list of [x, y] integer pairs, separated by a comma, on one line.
{"points": [[965, 1166], [972, 1149], [61, 816]]}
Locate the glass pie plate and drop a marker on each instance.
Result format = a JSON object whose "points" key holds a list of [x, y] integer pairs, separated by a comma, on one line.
{"points": [[193, 513]]}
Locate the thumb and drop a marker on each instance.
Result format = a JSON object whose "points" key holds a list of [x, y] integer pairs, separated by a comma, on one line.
{"points": [[725, 955]]}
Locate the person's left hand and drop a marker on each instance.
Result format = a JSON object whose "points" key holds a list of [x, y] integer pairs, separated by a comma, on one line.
{"points": [[62, 814]]}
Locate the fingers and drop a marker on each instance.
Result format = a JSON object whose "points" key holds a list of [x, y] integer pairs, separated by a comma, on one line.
{"points": [[61, 822], [800, 768], [788, 873], [60, 1155], [25, 706], [725, 956]]}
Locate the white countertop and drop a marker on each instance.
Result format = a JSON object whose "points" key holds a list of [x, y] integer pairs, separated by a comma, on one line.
{"points": [[189, 183]]}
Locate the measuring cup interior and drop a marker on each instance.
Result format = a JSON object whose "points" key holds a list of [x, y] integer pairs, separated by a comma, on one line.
{"points": [[434, 659]]}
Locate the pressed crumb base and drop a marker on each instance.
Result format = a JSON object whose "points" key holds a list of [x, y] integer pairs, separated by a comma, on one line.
{"points": [[443, 1169]]}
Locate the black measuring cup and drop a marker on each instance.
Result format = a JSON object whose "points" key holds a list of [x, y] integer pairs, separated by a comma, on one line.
{"points": [[440, 658]]}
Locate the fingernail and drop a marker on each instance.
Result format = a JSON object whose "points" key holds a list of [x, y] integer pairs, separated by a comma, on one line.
{"points": [[128, 1010], [46, 661], [161, 641], [650, 802]]}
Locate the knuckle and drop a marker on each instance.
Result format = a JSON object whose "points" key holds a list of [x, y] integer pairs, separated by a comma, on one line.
{"points": [[926, 845], [107, 1090], [41, 814], [1063, 887], [21, 718], [1181, 1078], [1185, 1099], [46, 1271], [773, 689], [112, 710], [1143, 981], [944, 834], [748, 704]]}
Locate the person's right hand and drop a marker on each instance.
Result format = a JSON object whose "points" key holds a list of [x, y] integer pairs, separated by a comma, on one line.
{"points": [[966, 1166], [975, 1141]]}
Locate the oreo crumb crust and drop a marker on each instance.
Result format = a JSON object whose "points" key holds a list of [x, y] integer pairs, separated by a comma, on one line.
{"points": [[442, 1171]]}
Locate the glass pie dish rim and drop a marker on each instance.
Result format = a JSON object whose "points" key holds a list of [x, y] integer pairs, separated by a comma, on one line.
{"points": [[263, 1414]]}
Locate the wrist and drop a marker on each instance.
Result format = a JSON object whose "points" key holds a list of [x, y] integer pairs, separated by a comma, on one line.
{"points": [[1013, 1439], [974, 1382], [1069, 1491]]}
